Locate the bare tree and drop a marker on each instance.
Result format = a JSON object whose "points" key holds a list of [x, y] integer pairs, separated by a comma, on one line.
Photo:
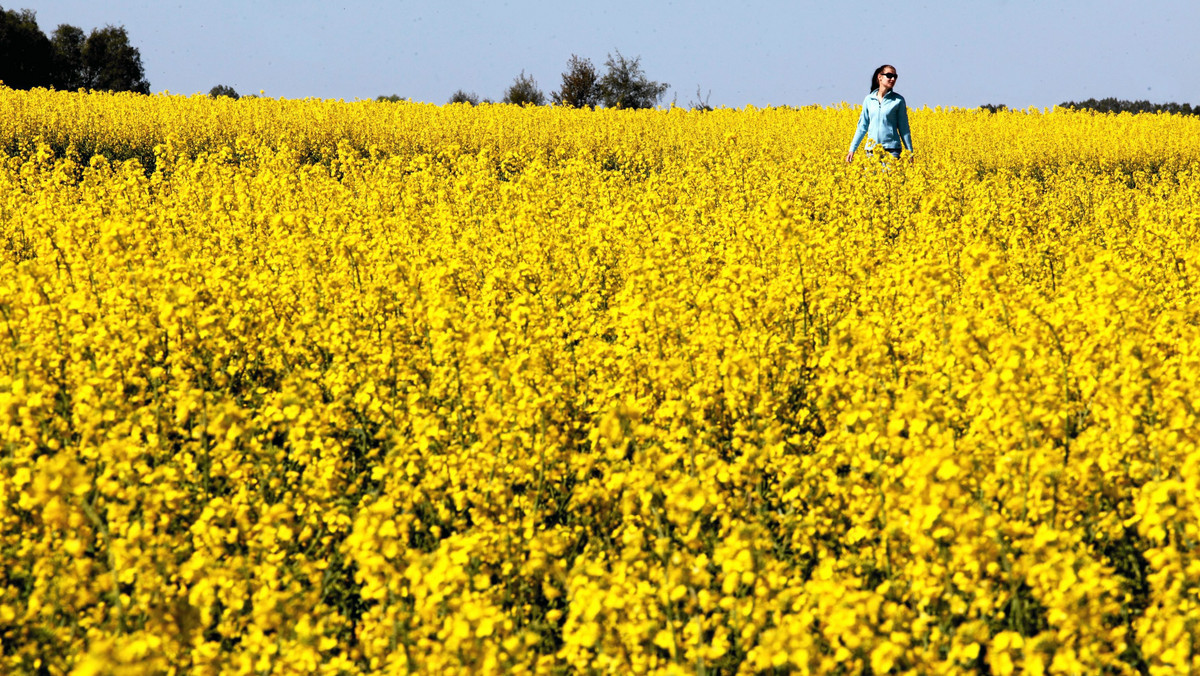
{"points": [[701, 102]]}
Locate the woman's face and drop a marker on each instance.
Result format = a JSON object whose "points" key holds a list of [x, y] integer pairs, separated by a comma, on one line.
{"points": [[887, 79]]}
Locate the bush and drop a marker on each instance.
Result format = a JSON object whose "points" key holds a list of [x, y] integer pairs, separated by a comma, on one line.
{"points": [[223, 90], [462, 96], [524, 91]]}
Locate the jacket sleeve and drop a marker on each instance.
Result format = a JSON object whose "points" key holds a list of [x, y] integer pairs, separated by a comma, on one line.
{"points": [[864, 122], [902, 127]]}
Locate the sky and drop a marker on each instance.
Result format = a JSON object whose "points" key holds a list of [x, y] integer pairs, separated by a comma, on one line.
{"points": [[960, 53]]}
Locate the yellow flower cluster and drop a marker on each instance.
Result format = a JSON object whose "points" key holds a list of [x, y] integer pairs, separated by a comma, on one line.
{"points": [[326, 387]]}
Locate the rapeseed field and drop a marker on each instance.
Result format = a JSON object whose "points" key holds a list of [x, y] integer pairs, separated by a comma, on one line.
{"points": [[307, 386]]}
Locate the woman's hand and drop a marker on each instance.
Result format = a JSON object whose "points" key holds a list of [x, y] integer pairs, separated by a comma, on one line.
{"points": [[849, 157]]}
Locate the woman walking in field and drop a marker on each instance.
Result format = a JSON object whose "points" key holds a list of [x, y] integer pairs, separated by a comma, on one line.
{"points": [[884, 116]]}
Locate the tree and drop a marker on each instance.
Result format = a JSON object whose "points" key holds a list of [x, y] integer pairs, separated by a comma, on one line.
{"points": [[104, 60], [390, 98], [26, 56], [224, 90], [578, 85], [68, 42], [524, 91], [111, 63], [626, 86], [461, 96]]}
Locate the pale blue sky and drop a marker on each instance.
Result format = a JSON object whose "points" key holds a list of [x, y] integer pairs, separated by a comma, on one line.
{"points": [[759, 52]]}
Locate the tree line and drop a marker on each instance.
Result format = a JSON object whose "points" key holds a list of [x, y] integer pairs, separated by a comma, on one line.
{"points": [[623, 84], [1112, 105], [68, 58]]}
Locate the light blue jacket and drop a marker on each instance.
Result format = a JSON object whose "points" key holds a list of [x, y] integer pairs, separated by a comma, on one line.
{"points": [[886, 122]]}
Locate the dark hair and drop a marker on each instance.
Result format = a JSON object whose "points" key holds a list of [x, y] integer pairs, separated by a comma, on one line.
{"points": [[875, 76]]}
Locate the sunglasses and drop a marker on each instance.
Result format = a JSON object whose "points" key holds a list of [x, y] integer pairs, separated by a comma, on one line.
{"points": [[890, 76]]}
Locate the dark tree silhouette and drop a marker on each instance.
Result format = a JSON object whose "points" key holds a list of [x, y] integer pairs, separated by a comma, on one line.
{"points": [[68, 42], [111, 63], [26, 56]]}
